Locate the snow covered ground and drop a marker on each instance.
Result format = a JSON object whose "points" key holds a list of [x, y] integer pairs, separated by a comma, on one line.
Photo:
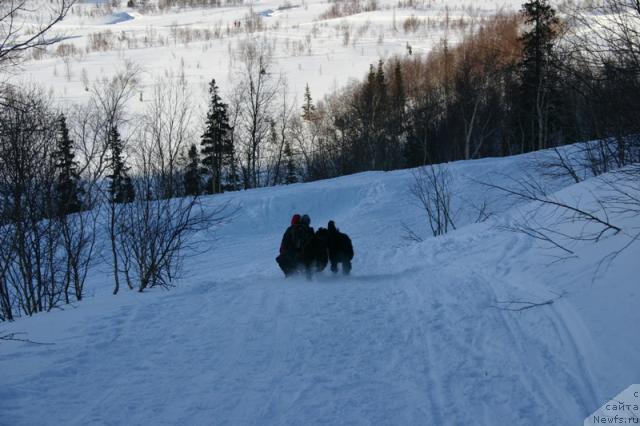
{"points": [[415, 336]]}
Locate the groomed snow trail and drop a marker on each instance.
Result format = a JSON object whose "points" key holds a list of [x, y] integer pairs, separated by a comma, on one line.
{"points": [[366, 349], [413, 337]]}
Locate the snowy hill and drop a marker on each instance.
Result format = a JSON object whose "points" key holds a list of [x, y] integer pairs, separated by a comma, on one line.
{"points": [[202, 43], [419, 334]]}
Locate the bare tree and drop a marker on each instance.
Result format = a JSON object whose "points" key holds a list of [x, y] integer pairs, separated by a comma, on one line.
{"points": [[154, 233], [45, 253], [31, 262], [24, 27], [79, 232], [7, 241], [612, 29], [109, 100], [280, 136], [168, 124], [432, 189], [581, 160], [602, 54], [234, 112], [155, 236], [560, 163], [258, 89], [105, 109]]}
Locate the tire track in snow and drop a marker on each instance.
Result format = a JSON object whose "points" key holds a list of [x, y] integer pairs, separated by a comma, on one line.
{"points": [[436, 400], [549, 364]]}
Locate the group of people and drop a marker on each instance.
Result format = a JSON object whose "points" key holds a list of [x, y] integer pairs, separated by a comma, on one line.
{"points": [[303, 250]]}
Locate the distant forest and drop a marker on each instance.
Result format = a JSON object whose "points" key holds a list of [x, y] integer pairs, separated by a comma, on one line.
{"points": [[517, 84]]}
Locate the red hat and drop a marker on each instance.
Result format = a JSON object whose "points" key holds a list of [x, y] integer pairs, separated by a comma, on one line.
{"points": [[295, 219]]}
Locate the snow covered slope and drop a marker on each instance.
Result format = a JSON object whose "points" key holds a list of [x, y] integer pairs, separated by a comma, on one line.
{"points": [[414, 336], [202, 43]]}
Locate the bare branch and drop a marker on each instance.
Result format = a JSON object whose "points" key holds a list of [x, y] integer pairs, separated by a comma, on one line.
{"points": [[12, 337], [13, 20], [530, 190], [431, 189], [509, 305]]}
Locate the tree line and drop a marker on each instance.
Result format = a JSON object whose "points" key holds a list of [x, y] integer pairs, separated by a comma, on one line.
{"points": [[517, 84], [75, 192]]}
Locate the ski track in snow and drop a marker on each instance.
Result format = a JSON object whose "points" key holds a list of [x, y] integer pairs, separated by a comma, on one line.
{"points": [[388, 351], [412, 337]]}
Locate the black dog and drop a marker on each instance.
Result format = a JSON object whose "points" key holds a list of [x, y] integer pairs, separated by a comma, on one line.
{"points": [[315, 255], [340, 249]]}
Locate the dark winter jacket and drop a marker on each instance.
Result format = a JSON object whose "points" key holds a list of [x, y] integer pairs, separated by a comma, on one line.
{"points": [[294, 240], [339, 244], [315, 255]]}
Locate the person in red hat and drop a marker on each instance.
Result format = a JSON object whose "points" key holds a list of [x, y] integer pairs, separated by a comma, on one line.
{"points": [[293, 243]]}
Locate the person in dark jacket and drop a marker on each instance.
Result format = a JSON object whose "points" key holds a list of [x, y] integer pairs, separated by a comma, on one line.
{"points": [[340, 249], [286, 246], [287, 259], [306, 221], [293, 242], [316, 254], [306, 236]]}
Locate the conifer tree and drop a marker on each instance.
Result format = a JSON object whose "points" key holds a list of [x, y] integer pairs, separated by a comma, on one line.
{"points": [[381, 117], [381, 87], [192, 184], [397, 95], [233, 176], [67, 188], [364, 120], [308, 109], [217, 146], [537, 75], [396, 118], [291, 176], [120, 188]]}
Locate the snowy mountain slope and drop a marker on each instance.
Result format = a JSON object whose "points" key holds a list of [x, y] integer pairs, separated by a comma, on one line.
{"points": [[414, 336], [200, 43]]}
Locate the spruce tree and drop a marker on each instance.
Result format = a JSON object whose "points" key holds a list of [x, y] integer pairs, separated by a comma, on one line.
{"points": [[365, 111], [120, 186], [380, 119], [192, 185], [538, 42], [397, 95], [308, 109], [216, 142], [537, 76], [418, 148], [291, 176], [368, 95], [396, 118], [233, 177], [381, 85], [67, 188]]}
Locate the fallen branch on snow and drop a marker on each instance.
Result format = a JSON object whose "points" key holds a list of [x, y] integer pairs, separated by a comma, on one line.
{"points": [[12, 337], [523, 305], [526, 305]]}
